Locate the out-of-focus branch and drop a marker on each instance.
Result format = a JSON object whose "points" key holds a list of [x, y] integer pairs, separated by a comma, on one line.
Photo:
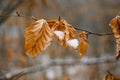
{"points": [[14, 77], [54, 62], [9, 8]]}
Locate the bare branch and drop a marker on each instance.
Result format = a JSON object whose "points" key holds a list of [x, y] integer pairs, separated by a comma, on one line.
{"points": [[54, 62], [109, 73], [9, 8], [32, 17], [92, 33], [18, 15]]}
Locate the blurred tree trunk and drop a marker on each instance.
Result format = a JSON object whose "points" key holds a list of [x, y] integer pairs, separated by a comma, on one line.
{"points": [[6, 8]]}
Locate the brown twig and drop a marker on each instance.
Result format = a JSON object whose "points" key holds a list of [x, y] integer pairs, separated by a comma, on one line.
{"points": [[59, 18], [93, 33], [15, 76], [109, 73], [32, 17], [18, 15]]}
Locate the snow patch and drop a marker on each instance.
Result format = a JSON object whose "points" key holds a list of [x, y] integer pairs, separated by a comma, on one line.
{"points": [[50, 74], [60, 34], [74, 43]]}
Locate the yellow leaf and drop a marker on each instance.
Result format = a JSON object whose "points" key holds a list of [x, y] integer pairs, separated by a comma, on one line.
{"points": [[84, 44], [115, 25], [37, 38]]}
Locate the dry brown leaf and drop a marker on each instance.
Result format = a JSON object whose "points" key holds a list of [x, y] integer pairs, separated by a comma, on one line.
{"points": [[66, 35], [115, 25], [72, 32], [59, 30], [71, 37], [53, 24], [38, 37], [60, 33], [110, 76], [84, 44]]}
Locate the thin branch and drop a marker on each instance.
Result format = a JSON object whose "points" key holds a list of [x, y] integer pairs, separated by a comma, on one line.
{"points": [[18, 15], [17, 76], [93, 33], [9, 8], [109, 73], [32, 17], [55, 62], [59, 18]]}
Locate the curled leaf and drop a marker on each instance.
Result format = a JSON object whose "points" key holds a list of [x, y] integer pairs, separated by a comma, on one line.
{"points": [[60, 33], [72, 37], [38, 37], [66, 35], [115, 25], [59, 30], [110, 76], [84, 44], [53, 24]]}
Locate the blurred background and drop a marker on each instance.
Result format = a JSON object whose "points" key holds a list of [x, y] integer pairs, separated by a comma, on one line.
{"points": [[91, 15]]}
